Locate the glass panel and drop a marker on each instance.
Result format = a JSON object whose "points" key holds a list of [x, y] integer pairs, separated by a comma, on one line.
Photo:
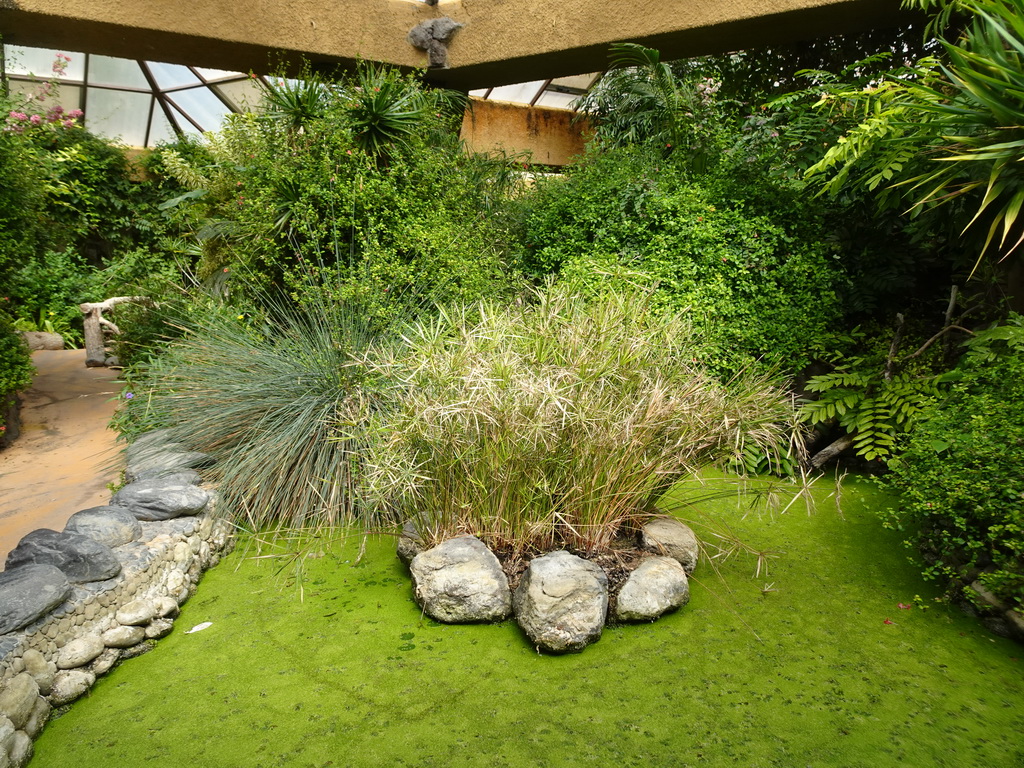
{"points": [[521, 93], [117, 114], [555, 99], [583, 82], [39, 61], [215, 74], [205, 108], [66, 96], [105, 70], [171, 75], [184, 124], [244, 95], [161, 129]]}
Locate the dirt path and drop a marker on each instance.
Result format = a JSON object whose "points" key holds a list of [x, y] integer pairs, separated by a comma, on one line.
{"points": [[57, 466]]}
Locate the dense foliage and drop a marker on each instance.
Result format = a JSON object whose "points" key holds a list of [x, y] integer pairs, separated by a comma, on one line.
{"points": [[77, 220], [960, 471], [946, 129], [15, 365], [360, 178], [745, 260]]}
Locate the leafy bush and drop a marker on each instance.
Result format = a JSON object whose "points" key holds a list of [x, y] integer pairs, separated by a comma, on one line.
{"points": [[361, 178], [15, 365], [558, 423], [960, 472], [871, 408], [965, 110], [748, 264]]}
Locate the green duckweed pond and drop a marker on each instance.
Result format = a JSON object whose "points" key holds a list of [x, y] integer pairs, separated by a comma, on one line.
{"points": [[812, 663]]}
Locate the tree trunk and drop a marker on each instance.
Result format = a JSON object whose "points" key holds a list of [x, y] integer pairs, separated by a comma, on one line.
{"points": [[830, 452], [95, 354]]}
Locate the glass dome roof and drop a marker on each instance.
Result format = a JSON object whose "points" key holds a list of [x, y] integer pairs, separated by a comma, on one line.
{"points": [[142, 103]]}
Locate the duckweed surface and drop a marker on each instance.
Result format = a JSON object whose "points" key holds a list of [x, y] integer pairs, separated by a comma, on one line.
{"points": [[813, 663]]}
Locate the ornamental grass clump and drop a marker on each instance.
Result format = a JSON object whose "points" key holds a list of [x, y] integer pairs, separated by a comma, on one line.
{"points": [[557, 423], [278, 398]]}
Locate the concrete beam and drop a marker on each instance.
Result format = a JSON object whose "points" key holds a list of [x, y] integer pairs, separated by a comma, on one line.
{"points": [[243, 35], [514, 41], [503, 41]]}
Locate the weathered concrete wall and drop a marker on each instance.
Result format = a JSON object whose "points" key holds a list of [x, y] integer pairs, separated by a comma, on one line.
{"points": [[503, 41], [549, 135]]}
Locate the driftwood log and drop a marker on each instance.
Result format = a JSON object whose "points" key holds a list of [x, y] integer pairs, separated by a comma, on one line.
{"points": [[95, 354]]}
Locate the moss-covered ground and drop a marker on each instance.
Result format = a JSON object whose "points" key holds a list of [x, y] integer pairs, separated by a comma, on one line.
{"points": [[796, 667]]}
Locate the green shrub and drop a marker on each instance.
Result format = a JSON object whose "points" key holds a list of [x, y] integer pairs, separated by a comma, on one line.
{"points": [[15, 365], [558, 423], [365, 183], [960, 474], [752, 271]]}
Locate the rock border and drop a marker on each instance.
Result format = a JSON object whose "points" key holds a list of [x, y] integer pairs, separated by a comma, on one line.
{"points": [[562, 601], [56, 658]]}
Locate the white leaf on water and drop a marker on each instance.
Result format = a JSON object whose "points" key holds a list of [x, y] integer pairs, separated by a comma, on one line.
{"points": [[200, 627]]}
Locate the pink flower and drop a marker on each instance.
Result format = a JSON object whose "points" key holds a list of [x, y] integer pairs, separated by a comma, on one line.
{"points": [[904, 606], [69, 123], [75, 113], [35, 120], [888, 621]]}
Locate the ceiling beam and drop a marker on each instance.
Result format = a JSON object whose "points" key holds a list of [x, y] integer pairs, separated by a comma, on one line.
{"points": [[501, 42]]}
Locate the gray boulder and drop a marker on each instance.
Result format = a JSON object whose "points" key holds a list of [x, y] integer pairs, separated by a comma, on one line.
{"points": [[561, 602], [137, 613], [105, 661], [112, 526], [28, 593], [70, 684], [409, 542], [179, 477], [41, 340], [21, 750], [161, 463], [7, 731], [80, 651], [82, 559], [36, 721], [123, 637], [668, 536], [156, 454], [461, 581], [160, 500], [42, 671], [18, 698], [658, 585]]}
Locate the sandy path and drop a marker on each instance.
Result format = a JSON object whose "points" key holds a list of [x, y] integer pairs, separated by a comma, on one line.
{"points": [[57, 466]]}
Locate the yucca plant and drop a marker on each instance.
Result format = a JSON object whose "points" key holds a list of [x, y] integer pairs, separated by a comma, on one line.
{"points": [[387, 110], [557, 423], [295, 103]]}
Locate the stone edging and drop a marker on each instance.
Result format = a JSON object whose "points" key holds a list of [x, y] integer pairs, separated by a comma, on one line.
{"points": [[56, 658]]}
